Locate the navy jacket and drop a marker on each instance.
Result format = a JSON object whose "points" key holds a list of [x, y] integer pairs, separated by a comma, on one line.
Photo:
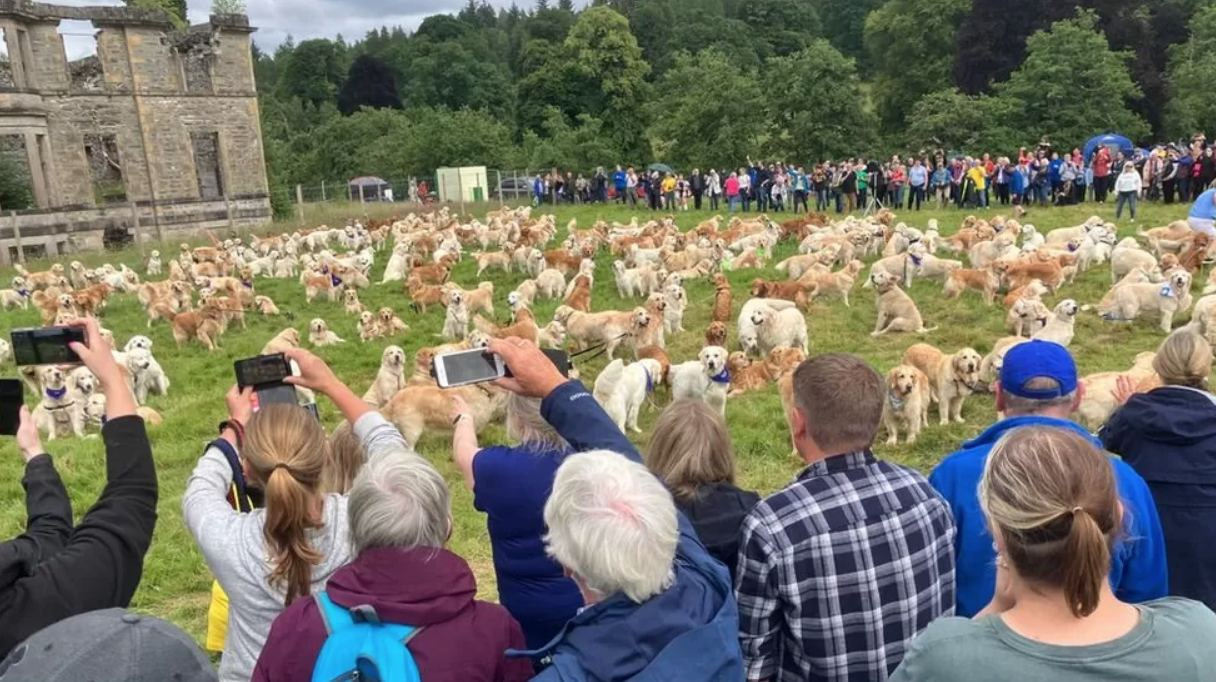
{"points": [[690, 631], [1169, 437], [1137, 566]]}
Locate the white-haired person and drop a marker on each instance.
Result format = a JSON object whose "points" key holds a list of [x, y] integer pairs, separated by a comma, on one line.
{"points": [[658, 606], [1052, 501], [510, 485], [400, 518], [267, 558], [54, 571]]}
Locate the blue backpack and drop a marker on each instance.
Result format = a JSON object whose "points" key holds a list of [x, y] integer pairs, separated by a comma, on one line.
{"points": [[359, 647]]}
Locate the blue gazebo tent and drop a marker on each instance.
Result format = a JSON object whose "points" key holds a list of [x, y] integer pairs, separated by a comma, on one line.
{"points": [[1116, 143]]}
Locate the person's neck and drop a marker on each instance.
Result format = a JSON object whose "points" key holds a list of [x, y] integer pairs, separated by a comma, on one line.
{"points": [[1045, 616], [1062, 413]]}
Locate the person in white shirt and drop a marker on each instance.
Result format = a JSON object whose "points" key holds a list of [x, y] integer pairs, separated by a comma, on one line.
{"points": [[1128, 187]]}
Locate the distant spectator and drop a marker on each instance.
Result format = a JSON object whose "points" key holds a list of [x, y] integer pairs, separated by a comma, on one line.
{"points": [[400, 519], [1038, 387], [659, 607], [1101, 168], [690, 452], [1052, 501], [669, 191], [1127, 189], [745, 188], [510, 485], [108, 644], [918, 182], [1168, 436], [696, 184], [846, 564], [733, 191], [631, 187], [53, 571], [620, 182], [713, 187]]}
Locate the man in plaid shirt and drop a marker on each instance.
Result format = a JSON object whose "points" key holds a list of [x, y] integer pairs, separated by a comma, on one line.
{"points": [[845, 565]]}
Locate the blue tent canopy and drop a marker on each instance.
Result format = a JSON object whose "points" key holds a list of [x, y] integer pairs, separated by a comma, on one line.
{"points": [[1114, 142]]}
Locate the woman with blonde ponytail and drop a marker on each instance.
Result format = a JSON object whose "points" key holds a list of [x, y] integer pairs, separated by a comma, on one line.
{"points": [[270, 557], [1052, 502]]}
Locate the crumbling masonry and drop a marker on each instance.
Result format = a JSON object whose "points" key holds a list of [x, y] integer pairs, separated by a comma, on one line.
{"points": [[158, 132]]}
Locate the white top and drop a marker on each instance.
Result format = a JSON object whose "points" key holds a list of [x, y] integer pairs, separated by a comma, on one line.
{"points": [[1128, 182], [235, 550]]}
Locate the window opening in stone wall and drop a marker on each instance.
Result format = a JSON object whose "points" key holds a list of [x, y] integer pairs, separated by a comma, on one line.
{"points": [[80, 48], [7, 79], [207, 164], [16, 185], [196, 52], [105, 169]]}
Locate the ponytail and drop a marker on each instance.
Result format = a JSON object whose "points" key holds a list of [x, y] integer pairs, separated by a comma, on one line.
{"points": [[1086, 560], [286, 450], [285, 528]]}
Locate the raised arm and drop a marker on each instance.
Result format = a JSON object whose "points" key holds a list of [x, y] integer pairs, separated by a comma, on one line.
{"points": [[48, 508]]}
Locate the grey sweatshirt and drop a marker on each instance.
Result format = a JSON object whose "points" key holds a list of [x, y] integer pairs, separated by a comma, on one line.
{"points": [[235, 550]]}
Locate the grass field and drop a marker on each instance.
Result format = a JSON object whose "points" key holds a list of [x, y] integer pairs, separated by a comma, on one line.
{"points": [[175, 582]]}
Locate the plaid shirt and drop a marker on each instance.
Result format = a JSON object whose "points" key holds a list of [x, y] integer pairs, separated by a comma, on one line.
{"points": [[840, 569]]}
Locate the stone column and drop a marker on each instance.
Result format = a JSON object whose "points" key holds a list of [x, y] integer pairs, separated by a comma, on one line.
{"points": [[37, 178]]}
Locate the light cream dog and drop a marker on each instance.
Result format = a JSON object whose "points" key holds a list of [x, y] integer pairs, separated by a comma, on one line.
{"points": [[283, 341], [704, 379], [1130, 300], [1061, 325], [897, 312], [1027, 316], [456, 319], [776, 328], [622, 390], [1098, 397], [611, 328], [389, 379], [319, 334]]}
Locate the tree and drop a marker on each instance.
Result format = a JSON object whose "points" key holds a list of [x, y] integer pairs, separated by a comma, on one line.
{"points": [[582, 145], [991, 40], [15, 181], [369, 83], [176, 9], [953, 121], [449, 75], [1072, 85], [227, 6], [704, 114], [1191, 107], [844, 23], [904, 39], [313, 72], [834, 123], [784, 26], [605, 54]]}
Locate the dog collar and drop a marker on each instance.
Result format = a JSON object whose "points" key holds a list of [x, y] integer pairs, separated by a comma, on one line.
{"points": [[723, 378], [915, 260], [24, 292], [896, 401], [248, 283], [56, 393], [649, 381], [337, 281], [1073, 247], [1167, 291]]}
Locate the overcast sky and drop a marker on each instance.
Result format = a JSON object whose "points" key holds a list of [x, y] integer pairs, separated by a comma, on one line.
{"points": [[303, 19]]}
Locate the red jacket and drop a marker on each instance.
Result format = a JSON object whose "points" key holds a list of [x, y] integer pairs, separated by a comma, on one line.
{"points": [[1102, 163], [462, 640]]}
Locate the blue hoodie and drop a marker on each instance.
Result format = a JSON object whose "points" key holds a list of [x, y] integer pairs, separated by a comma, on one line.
{"points": [[1168, 436], [618, 180], [690, 631], [1137, 567]]}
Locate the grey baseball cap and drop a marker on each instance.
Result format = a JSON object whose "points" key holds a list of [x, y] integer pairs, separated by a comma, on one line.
{"points": [[108, 646]]}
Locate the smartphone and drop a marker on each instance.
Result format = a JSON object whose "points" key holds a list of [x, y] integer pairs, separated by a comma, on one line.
{"points": [[265, 373], [46, 346], [12, 397], [467, 367]]}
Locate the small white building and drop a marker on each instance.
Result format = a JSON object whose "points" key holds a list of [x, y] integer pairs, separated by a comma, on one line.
{"points": [[468, 184]]}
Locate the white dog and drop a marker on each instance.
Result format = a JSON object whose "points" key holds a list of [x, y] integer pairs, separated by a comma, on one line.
{"points": [[456, 320], [748, 339], [704, 379], [673, 314], [1059, 327], [390, 378], [146, 374], [780, 328], [622, 389], [55, 414], [154, 265], [6, 351], [319, 334]]}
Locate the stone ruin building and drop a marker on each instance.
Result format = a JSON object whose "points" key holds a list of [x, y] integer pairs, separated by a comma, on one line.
{"points": [[157, 132]]}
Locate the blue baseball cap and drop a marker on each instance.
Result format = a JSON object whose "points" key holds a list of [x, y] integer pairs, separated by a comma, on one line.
{"points": [[1038, 359]]}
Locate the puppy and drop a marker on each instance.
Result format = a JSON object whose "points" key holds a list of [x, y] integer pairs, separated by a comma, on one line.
{"points": [[283, 341], [389, 379], [951, 377], [706, 378], [319, 334], [350, 302], [722, 303], [56, 414], [1060, 325], [456, 320], [907, 401], [897, 312], [746, 375], [715, 334], [622, 389]]}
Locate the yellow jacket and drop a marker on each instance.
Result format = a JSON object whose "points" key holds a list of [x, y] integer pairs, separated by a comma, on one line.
{"points": [[978, 177], [669, 184]]}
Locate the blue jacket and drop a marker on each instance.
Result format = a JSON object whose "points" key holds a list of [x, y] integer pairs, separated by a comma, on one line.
{"points": [[1053, 171], [618, 180], [690, 631], [1018, 181], [1137, 568], [1169, 437]]}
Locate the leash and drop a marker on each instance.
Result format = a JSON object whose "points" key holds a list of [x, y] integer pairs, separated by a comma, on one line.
{"points": [[599, 349]]}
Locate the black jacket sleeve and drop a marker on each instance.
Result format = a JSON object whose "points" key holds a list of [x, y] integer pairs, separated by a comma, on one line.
{"points": [[48, 521], [101, 564]]}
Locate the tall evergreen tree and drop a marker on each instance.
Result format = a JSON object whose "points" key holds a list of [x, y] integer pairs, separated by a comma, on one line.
{"points": [[369, 83]]}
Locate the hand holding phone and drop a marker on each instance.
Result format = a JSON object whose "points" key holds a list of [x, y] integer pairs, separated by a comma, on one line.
{"points": [[465, 367], [47, 345], [12, 404], [265, 374]]}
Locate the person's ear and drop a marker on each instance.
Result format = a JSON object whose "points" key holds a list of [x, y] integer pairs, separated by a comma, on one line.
{"points": [[1000, 398], [1078, 396], [798, 423]]}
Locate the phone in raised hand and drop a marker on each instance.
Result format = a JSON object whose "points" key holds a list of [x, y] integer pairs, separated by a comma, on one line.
{"points": [[465, 367]]}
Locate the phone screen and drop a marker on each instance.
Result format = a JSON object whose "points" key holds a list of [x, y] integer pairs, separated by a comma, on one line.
{"points": [[46, 346], [11, 399], [468, 367], [262, 370]]}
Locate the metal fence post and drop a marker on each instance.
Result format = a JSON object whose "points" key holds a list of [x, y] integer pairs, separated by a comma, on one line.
{"points": [[501, 199], [300, 202], [139, 237], [17, 237], [228, 210], [323, 191]]}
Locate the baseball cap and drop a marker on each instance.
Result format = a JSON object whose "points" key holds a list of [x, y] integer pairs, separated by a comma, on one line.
{"points": [[1038, 359], [111, 644]]}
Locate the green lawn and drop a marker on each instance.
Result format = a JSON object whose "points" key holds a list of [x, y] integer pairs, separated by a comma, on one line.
{"points": [[175, 583]]}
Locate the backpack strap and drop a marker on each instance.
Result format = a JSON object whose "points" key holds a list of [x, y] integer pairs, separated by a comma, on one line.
{"points": [[333, 616]]}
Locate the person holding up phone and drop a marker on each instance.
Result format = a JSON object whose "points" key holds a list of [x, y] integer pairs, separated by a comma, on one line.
{"points": [[303, 532], [53, 571]]}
